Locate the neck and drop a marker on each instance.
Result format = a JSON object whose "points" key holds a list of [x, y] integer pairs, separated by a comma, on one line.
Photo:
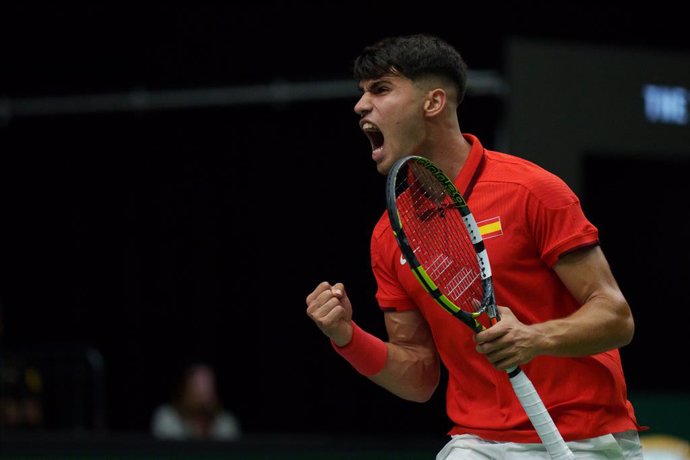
{"points": [[450, 154]]}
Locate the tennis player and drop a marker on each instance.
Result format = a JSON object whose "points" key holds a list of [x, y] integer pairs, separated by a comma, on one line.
{"points": [[563, 316]]}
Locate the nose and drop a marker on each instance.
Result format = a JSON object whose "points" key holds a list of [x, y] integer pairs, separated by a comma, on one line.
{"points": [[362, 107]]}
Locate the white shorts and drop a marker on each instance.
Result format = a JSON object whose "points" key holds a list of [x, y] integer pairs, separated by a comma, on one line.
{"points": [[624, 446]]}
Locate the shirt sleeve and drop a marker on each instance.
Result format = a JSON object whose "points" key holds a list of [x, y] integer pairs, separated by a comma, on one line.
{"points": [[559, 223], [390, 294]]}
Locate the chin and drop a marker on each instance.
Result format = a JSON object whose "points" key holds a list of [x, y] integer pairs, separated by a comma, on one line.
{"points": [[383, 167]]}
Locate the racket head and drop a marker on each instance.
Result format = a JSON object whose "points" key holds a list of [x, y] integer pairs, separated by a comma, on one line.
{"points": [[440, 240]]}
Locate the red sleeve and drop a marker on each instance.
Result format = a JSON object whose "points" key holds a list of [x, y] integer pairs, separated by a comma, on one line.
{"points": [[560, 225], [390, 294]]}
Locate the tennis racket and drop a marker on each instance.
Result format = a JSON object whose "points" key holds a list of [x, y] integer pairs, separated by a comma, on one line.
{"points": [[439, 237]]}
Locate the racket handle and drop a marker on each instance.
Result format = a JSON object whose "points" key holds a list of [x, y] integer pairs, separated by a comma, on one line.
{"points": [[539, 416]]}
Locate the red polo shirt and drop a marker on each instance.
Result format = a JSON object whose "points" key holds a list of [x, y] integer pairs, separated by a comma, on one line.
{"points": [[529, 218]]}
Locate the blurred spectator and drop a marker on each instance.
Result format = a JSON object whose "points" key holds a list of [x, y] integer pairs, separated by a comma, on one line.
{"points": [[21, 390], [195, 412], [20, 394]]}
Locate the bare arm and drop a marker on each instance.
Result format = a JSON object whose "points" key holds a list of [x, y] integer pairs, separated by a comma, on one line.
{"points": [[603, 322], [412, 369]]}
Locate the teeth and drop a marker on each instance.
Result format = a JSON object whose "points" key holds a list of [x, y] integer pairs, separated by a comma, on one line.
{"points": [[369, 127]]}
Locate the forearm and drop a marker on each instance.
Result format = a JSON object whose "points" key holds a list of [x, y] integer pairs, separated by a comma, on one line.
{"points": [[410, 373], [604, 320], [407, 365], [601, 324]]}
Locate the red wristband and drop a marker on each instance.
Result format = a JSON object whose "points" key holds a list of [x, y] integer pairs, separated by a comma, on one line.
{"points": [[365, 352]]}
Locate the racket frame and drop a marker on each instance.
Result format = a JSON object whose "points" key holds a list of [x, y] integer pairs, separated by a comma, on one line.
{"points": [[488, 302]]}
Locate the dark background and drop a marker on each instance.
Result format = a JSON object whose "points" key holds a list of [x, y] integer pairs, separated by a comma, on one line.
{"points": [[160, 237]]}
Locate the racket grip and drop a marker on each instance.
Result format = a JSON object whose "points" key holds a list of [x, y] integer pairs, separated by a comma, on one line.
{"points": [[539, 416]]}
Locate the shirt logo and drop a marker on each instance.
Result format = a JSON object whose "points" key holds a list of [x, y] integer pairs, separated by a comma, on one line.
{"points": [[402, 260], [490, 228]]}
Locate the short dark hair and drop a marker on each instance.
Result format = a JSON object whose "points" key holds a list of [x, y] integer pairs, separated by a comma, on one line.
{"points": [[413, 57]]}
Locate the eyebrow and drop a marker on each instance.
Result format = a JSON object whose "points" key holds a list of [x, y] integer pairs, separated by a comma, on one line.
{"points": [[374, 82]]}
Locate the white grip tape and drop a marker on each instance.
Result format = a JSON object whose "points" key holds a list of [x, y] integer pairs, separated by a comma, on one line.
{"points": [[540, 418]]}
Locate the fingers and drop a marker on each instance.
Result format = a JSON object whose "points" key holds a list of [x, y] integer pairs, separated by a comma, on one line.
{"points": [[323, 286], [504, 311], [497, 329], [507, 344], [324, 292], [329, 307], [339, 290], [322, 300], [499, 355]]}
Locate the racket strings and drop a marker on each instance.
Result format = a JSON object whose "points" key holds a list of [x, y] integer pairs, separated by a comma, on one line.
{"points": [[436, 233]]}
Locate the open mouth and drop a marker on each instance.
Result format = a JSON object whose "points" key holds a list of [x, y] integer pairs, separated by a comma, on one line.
{"points": [[374, 134]]}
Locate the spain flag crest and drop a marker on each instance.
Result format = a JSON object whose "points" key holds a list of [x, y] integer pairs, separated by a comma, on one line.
{"points": [[490, 228]]}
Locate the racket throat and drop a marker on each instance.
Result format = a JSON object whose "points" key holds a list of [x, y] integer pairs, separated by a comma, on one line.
{"points": [[470, 321]]}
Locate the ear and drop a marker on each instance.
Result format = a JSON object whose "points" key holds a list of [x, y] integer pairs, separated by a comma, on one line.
{"points": [[434, 102]]}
